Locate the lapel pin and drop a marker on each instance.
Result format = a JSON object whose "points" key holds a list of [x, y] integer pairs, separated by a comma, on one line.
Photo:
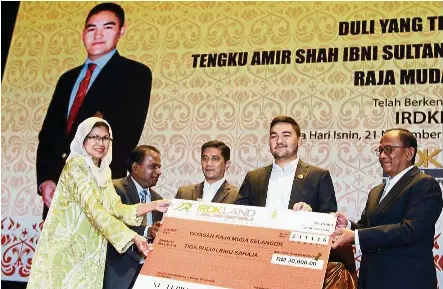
{"points": [[300, 177]]}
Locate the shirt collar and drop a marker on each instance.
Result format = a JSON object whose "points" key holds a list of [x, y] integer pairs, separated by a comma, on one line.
{"points": [[101, 62], [292, 165], [395, 178], [217, 183], [138, 187]]}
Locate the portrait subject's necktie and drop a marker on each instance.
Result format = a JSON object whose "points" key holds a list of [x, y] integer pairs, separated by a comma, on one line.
{"points": [[80, 96]]}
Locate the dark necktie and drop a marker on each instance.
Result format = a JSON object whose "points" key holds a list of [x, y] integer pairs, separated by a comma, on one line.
{"points": [[80, 96]]}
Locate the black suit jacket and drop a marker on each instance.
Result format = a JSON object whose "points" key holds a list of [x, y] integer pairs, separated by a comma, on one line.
{"points": [[311, 185], [227, 193], [120, 93], [397, 234], [121, 269]]}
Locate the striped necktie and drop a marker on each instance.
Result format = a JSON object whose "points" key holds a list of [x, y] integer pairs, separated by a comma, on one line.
{"points": [[145, 197], [80, 96]]}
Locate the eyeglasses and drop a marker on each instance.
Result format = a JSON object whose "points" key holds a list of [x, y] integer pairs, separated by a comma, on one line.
{"points": [[96, 138], [387, 149]]}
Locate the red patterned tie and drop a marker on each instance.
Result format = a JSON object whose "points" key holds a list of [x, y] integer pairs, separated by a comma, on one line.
{"points": [[79, 96]]}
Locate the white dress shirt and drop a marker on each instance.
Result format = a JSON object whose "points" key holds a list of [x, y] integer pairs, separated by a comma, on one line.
{"points": [[389, 185], [209, 190], [280, 185]]}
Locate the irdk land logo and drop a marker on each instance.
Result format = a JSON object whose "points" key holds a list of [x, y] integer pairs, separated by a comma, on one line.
{"points": [[424, 158], [220, 211], [418, 117], [184, 207]]}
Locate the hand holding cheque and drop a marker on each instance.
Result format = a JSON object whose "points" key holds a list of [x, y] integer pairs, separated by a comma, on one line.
{"points": [[202, 245]]}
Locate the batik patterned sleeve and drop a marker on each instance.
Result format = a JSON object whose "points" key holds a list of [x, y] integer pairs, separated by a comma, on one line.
{"points": [[86, 193]]}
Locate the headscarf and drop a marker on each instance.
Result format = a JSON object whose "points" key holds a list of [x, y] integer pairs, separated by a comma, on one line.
{"points": [[103, 173]]}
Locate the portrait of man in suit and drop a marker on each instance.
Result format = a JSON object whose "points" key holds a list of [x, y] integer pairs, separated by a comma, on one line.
{"points": [[396, 230], [144, 167], [107, 85], [288, 183], [215, 160]]}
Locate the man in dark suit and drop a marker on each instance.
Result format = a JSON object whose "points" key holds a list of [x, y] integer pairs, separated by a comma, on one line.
{"points": [[288, 182], [107, 85], [215, 160], [144, 165], [397, 227]]}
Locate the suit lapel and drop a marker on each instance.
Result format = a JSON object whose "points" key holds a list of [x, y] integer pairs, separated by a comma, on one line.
{"points": [[96, 97], [197, 193], [374, 199], [154, 195], [103, 76], [397, 189], [68, 87], [131, 190], [263, 186], [222, 192], [301, 174]]}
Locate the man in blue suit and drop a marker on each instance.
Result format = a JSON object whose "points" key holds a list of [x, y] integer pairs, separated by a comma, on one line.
{"points": [[396, 229]]}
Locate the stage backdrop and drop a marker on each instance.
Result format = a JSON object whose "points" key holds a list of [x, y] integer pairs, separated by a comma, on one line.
{"points": [[346, 71]]}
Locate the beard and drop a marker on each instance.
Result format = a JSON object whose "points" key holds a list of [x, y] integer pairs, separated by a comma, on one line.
{"points": [[284, 152]]}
